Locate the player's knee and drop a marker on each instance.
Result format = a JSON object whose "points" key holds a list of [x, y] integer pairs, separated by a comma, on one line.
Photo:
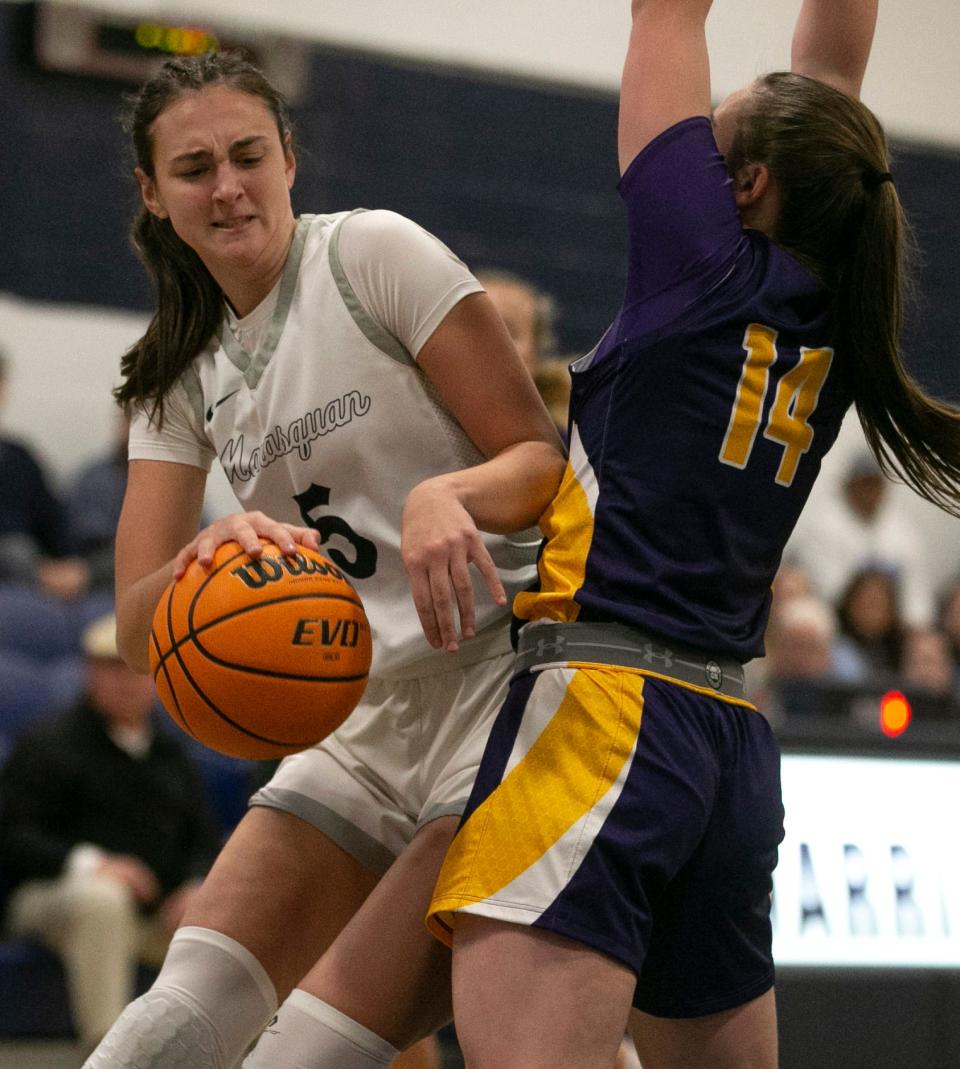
{"points": [[160, 1030], [207, 1007]]}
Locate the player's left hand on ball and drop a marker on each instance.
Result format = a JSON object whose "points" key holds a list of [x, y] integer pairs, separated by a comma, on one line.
{"points": [[439, 542]]}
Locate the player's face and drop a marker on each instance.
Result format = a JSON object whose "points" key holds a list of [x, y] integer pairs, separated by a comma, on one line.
{"points": [[725, 119], [222, 177]]}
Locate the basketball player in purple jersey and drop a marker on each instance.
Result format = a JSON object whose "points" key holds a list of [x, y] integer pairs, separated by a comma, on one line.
{"points": [[615, 859]]}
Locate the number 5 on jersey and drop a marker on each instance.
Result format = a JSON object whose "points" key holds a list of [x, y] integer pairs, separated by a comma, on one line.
{"points": [[798, 392], [364, 561]]}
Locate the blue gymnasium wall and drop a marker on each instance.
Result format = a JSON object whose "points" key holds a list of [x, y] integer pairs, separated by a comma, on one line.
{"points": [[511, 175]]}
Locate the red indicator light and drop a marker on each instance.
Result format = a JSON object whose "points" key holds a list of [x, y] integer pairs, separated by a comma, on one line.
{"points": [[895, 714]]}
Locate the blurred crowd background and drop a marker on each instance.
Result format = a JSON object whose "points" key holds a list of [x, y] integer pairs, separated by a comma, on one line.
{"points": [[493, 126]]}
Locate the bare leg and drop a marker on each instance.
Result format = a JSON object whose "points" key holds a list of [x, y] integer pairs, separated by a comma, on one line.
{"points": [[422, 1055], [283, 890], [742, 1038], [527, 998], [385, 970]]}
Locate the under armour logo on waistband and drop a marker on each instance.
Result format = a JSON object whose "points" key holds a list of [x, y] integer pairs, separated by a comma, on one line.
{"points": [[652, 653], [554, 646]]}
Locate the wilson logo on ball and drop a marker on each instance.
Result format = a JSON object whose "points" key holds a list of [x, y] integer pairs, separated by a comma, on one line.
{"points": [[257, 573]]}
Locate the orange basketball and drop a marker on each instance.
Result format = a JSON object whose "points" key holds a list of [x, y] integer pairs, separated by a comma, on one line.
{"points": [[260, 658]]}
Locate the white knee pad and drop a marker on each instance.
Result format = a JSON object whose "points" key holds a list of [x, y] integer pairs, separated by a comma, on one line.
{"points": [[208, 1005], [310, 1034]]}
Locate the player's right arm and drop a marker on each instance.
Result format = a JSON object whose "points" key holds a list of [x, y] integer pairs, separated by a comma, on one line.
{"points": [[666, 75], [157, 537], [160, 514]]}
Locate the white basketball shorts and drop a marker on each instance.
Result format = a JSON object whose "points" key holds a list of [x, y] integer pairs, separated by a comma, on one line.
{"points": [[406, 755]]}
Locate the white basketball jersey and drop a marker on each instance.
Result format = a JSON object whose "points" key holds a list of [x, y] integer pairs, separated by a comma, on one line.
{"points": [[329, 422]]}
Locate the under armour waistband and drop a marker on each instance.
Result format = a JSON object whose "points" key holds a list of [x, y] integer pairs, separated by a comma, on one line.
{"points": [[542, 645]]}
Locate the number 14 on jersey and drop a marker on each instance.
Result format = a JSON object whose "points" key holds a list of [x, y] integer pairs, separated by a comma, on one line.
{"points": [[798, 392]]}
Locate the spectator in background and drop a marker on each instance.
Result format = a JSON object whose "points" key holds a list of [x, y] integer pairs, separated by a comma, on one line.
{"points": [[800, 674], [93, 507], [928, 673], [792, 582], [862, 526], [872, 628], [105, 833], [34, 535], [948, 619], [529, 315]]}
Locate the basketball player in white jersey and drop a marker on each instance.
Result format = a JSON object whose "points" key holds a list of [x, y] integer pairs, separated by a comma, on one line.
{"points": [[364, 398]]}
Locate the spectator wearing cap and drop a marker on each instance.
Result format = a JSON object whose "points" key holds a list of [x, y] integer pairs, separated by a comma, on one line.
{"points": [[105, 832], [860, 527]]}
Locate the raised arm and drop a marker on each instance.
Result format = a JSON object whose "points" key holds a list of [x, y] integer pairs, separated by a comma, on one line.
{"points": [[832, 42], [666, 75]]}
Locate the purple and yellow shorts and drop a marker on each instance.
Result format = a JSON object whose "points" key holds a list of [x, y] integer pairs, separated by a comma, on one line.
{"points": [[634, 807]]}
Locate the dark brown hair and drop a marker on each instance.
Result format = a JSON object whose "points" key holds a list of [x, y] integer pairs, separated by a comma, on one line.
{"points": [[189, 301], [841, 217]]}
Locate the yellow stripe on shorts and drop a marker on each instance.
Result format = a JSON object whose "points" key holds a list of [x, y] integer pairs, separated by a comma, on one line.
{"points": [[557, 795]]}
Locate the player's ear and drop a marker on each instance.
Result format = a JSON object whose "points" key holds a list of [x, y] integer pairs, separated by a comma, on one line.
{"points": [[290, 161], [750, 184], [148, 191]]}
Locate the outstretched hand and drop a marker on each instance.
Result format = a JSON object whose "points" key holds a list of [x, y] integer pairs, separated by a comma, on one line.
{"points": [[247, 528], [439, 542]]}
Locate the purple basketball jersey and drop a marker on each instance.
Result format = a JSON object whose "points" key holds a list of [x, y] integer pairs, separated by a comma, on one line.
{"points": [[698, 424]]}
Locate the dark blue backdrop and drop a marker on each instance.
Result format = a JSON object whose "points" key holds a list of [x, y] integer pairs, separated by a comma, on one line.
{"points": [[508, 174]]}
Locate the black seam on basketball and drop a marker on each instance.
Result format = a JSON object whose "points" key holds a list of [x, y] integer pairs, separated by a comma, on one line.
{"points": [[177, 714], [299, 743], [219, 568], [305, 596], [202, 695], [163, 664], [193, 633]]}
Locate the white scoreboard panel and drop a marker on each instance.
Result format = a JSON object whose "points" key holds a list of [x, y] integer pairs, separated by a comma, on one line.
{"points": [[869, 870]]}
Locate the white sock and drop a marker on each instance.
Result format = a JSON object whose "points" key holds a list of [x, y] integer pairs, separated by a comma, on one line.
{"points": [[310, 1034], [207, 1006]]}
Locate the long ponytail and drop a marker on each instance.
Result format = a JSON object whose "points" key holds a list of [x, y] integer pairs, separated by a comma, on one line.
{"points": [[911, 434], [840, 215]]}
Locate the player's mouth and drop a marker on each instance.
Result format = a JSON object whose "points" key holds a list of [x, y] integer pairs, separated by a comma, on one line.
{"points": [[237, 222]]}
